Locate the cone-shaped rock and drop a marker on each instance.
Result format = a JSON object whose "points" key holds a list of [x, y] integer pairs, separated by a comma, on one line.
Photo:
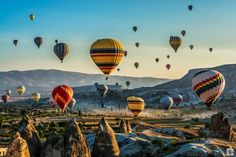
{"points": [[18, 148], [105, 144], [129, 129], [30, 134], [75, 143], [123, 128]]}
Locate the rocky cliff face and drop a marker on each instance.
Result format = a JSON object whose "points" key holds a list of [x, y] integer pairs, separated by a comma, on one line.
{"points": [[123, 127], [75, 143], [18, 148], [105, 144], [30, 135]]}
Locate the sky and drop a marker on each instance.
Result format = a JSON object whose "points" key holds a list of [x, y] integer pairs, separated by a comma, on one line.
{"points": [[80, 22]]}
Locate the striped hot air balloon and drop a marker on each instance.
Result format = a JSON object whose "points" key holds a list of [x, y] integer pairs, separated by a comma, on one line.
{"points": [[61, 50], [135, 105], [20, 90], [208, 85], [107, 54], [62, 95], [175, 42]]}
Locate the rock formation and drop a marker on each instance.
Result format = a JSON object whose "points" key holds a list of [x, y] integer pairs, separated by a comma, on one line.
{"points": [[129, 129], [30, 134], [218, 127], [105, 144], [123, 127], [75, 143], [18, 148]]}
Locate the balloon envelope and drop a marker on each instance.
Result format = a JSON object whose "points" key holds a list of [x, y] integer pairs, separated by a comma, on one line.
{"points": [[38, 41], [62, 95], [177, 98], [166, 102], [35, 97], [5, 98], [175, 42], [20, 90], [135, 105], [61, 50], [208, 85], [107, 54], [72, 103], [102, 89]]}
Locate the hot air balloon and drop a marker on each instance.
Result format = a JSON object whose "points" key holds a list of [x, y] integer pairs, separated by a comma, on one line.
{"points": [[183, 32], [136, 64], [32, 17], [15, 42], [127, 83], [61, 50], [210, 49], [35, 97], [62, 95], [137, 44], [117, 84], [52, 102], [118, 69], [166, 102], [190, 7], [5, 98], [72, 103], [56, 41], [107, 54], [168, 66], [175, 42], [135, 28], [135, 105], [20, 90], [168, 56], [102, 90], [191, 47], [125, 53], [38, 41], [96, 84], [157, 60], [8, 92], [177, 98], [208, 85], [107, 78]]}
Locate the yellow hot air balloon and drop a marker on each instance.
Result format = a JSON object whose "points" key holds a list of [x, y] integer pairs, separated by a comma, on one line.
{"points": [[20, 90], [35, 97], [175, 42], [135, 105], [107, 54]]}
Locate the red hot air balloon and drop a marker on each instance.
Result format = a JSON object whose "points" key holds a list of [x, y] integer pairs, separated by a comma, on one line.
{"points": [[5, 98], [62, 95]]}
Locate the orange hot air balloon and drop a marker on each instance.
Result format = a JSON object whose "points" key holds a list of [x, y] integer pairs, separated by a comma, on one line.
{"points": [[62, 95]]}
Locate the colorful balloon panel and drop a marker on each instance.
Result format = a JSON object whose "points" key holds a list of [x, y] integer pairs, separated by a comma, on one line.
{"points": [[107, 54], [208, 85], [62, 95], [135, 105]]}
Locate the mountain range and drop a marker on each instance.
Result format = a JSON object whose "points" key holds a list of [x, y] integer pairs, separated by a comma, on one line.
{"points": [[43, 81]]}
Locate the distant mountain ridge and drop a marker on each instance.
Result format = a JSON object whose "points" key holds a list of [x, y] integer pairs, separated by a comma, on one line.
{"points": [[44, 80]]}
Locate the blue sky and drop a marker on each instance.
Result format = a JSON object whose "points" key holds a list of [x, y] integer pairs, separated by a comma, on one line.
{"points": [[79, 23]]}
